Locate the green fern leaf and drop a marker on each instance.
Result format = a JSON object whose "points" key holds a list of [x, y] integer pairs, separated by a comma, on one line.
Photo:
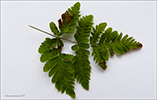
{"points": [[54, 28], [60, 68], [50, 64], [59, 65], [63, 75], [75, 47], [81, 62], [65, 68], [69, 19], [97, 32], [47, 45], [49, 55], [60, 43], [109, 43], [67, 57]]}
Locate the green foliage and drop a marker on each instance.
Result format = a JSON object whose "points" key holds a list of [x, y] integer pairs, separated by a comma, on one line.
{"points": [[54, 28], [59, 65], [66, 68], [69, 19], [63, 75], [47, 45], [108, 42], [81, 62], [97, 31]]}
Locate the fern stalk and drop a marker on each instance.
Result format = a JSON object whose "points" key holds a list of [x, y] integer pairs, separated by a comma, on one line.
{"points": [[52, 34]]}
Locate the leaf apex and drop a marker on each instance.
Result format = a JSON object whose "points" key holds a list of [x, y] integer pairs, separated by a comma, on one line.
{"points": [[72, 95], [140, 45], [77, 3]]}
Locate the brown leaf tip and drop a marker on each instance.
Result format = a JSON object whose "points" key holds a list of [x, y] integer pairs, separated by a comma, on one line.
{"points": [[140, 45], [105, 68]]}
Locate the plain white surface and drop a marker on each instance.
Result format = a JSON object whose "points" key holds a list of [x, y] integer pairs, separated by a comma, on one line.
{"points": [[131, 75]]}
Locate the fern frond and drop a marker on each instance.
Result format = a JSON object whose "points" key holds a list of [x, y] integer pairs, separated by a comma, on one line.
{"points": [[59, 65], [69, 19], [109, 43], [81, 62], [65, 68]]}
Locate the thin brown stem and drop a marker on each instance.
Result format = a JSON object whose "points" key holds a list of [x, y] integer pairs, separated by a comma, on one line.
{"points": [[51, 34]]}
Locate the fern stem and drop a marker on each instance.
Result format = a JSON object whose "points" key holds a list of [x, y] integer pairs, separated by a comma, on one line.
{"points": [[51, 34]]}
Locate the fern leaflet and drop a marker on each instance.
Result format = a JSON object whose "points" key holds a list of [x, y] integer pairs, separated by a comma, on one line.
{"points": [[59, 65], [105, 43], [81, 62], [69, 19]]}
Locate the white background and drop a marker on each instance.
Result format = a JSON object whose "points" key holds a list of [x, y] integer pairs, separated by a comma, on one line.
{"points": [[131, 75]]}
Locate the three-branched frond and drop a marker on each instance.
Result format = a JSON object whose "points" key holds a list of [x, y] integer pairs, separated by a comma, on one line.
{"points": [[66, 68]]}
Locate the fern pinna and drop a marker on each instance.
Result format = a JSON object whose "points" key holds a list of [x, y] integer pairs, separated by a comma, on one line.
{"points": [[58, 64], [107, 42], [81, 62], [65, 68]]}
